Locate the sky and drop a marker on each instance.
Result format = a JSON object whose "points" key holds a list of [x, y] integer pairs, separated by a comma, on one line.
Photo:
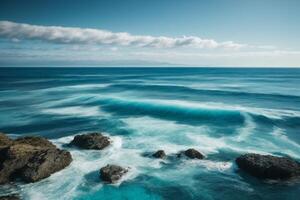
{"points": [[221, 33]]}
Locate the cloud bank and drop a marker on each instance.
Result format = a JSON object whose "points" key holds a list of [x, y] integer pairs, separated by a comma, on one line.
{"points": [[70, 35]]}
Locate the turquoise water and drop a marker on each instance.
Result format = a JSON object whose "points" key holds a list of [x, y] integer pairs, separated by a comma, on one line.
{"points": [[222, 112]]}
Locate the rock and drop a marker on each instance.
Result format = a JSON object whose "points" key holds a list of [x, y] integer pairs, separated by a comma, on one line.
{"points": [[159, 154], [91, 141], [269, 167], [35, 141], [30, 160], [4, 141], [10, 197], [194, 154], [112, 173], [13, 158], [44, 163]]}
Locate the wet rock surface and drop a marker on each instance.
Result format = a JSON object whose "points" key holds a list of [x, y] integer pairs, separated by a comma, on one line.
{"points": [[269, 167], [44, 163], [112, 173], [10, 197], [94, 141], [30, 159], [193, 154], [159, 154]]}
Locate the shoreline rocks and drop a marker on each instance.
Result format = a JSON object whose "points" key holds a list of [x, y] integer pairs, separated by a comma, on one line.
{"points": [[193, 154], [35, 141], [95, 141], [30, 159], [159, 154], [269, 167], [112, 173], [44, 163]]}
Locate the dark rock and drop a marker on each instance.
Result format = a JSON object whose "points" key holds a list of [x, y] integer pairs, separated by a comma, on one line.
{"points": [[194, 154], [269, 167], [10, 197], [13, 158], [30, 160], [112, 173], [44, 163], [159, 154], [91, 141]]}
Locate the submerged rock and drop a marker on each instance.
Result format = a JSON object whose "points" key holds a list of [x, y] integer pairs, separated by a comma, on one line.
{"points": [[159, 154], [112, 173], [91, 141], [31, 159], [193, 154], [10, 197], [269, 167]]}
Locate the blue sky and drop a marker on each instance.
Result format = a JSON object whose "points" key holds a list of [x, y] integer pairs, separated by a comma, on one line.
{"points": [[155, 33]]}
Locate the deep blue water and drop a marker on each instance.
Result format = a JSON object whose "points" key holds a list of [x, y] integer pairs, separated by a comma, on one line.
{"points": [[222, 112]]}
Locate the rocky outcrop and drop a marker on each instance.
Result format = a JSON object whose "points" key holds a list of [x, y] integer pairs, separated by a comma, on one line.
{"points": [[35, 141], [269, 167], [4, 141], [91, 141], [10, 197], [31, 159], [159, 154], [44, 163], [112, 173], [193, 154]]}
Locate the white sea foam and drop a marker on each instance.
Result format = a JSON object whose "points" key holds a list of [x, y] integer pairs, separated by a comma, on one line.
{"points": [[74, 111], [153, 134], [67, 100], [83, 171], [279, 133], [210, 165], [286, 145], [247, 130]]}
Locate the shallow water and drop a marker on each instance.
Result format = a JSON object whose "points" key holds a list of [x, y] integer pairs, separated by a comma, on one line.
{"points": [[221, 112]]}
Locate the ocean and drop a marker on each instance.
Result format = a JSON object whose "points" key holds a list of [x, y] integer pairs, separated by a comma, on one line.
{"points": [[222, 112]]}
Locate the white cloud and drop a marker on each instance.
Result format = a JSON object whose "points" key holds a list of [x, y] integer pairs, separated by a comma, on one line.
{"points": [[69, 35]]}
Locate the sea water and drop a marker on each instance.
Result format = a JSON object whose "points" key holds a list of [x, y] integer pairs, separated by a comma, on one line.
{"points": [[222, 112]]}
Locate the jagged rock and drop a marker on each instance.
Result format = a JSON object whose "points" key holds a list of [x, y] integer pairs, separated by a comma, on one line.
{"points": [[30, 160], [159, 154], [13, 158], [269, 167], [44, 163], [10, 197], [91, 141], [112, 173], [194, 154]]}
